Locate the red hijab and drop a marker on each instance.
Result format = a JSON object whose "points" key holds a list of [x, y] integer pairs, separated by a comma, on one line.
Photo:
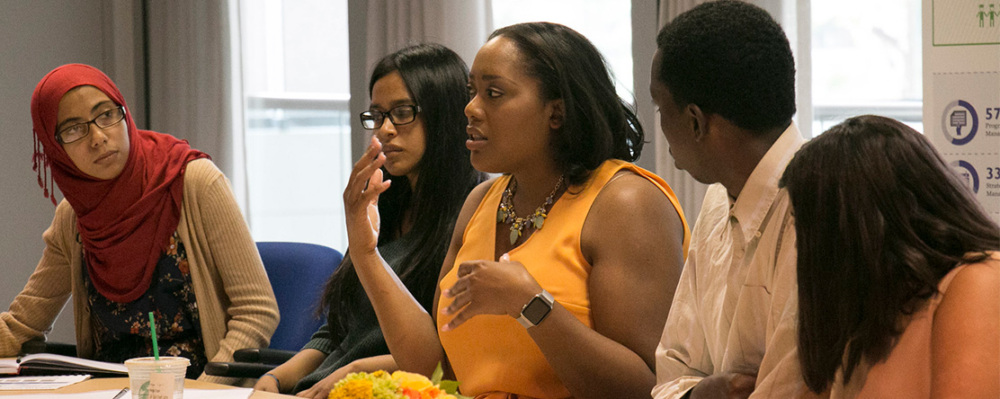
{"points": [[125, 223]]}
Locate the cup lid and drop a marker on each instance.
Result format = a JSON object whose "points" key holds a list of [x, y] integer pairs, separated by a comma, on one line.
{"points": [[164, 361]]}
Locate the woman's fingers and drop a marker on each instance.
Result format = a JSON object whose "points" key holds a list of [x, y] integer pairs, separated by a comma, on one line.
{"points": [[364, 168], [485, 287], [367, 159], [374, 147], [466, 268], [460, 286], [467, 313], [376, 185], [361, 200], [461, 299]]}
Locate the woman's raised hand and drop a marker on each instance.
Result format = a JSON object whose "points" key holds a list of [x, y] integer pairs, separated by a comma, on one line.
{"points": [[361, 199], [485, 287]]}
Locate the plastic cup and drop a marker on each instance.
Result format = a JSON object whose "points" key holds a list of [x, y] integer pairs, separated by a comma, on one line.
{"points": [[157, 379]]}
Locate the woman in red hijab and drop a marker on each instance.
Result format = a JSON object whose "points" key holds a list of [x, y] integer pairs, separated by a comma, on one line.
{"points": [[148, 224]]}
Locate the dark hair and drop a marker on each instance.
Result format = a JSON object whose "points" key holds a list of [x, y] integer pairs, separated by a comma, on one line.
{"points": [[436, 78], [598, 125], [732, 59], [880, 219]]}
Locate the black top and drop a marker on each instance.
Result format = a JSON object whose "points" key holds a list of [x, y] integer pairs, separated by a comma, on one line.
{"points": [[364, 337], [121, 330]]}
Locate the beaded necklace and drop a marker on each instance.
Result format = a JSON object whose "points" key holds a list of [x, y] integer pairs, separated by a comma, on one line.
{"points": [[517, 224]]}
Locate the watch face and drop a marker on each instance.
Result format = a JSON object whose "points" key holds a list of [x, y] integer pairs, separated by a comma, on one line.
{"points": [[536, 310]]}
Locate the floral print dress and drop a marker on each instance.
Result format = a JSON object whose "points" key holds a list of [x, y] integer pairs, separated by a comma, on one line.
{"points": [[121, 330]]}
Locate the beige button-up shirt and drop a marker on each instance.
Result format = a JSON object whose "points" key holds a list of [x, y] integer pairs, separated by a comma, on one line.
{"points": [[735, 308]]}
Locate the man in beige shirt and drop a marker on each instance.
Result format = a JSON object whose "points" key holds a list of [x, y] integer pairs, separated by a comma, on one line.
{"points": [[723, 79]]}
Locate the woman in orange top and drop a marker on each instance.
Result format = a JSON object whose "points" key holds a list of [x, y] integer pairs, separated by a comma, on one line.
{"points": [[573, 242]]}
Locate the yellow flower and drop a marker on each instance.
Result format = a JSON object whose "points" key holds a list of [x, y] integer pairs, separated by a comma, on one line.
{"points": [[354, 389], [413, 381]]}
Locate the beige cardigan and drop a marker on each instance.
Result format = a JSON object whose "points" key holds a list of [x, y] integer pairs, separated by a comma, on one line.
{"points": [[236, 305]]}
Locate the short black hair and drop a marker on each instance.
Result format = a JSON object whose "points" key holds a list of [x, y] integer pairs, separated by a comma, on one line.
{"points": [[598, 125], [732, 59], [881, 218]]}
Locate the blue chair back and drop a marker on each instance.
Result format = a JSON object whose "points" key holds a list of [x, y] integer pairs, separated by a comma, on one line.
{"points": [[297, 272]]}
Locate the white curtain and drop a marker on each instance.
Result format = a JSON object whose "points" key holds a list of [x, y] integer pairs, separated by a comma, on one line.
{"points": [[191, 78], [379, 27], [689, 192], [461, 25]]}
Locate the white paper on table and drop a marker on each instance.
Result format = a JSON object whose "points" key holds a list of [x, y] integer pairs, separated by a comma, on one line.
{"points": [[40, 382], [228, 393]]}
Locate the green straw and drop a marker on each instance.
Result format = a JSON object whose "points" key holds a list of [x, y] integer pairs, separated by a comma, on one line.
{"points": [[152, 331]]}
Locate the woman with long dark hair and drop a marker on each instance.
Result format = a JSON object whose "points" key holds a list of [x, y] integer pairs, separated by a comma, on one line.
{"points": [[898, 268], [417, 97], [560, 272]]}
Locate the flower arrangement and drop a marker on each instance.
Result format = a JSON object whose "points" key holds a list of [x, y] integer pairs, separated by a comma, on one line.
{"points": [[398, 385]]}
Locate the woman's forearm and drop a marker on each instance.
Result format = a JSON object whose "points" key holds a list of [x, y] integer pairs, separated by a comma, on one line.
{"points": [[290, 372], [588, 363], [409, 330], [371, 364]]}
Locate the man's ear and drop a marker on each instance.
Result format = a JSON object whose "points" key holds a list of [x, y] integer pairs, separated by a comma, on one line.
{"points": [[698, 121], [557, 113]]}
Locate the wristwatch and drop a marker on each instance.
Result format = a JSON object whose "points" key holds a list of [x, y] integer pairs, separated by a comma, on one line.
{"points": [[536, 309]]}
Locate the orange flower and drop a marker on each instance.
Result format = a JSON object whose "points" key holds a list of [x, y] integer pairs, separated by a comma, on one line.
{"points": [[172, 246], [431, 393]]}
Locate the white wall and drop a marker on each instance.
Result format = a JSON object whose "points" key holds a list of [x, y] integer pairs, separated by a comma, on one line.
{"points": [[35, 37]]}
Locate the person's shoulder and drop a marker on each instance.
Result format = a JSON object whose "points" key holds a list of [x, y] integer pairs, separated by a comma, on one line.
{"points": [[201, 168], [628, 189], [201, 173], [478, 193], [714, 207], [472, 203], [971, 289], [64, 221], [203, 181], [980, 278], [65, 211], [632, 205]]}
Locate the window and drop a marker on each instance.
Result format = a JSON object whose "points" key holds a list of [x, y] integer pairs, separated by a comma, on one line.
{"points": [[606, 23], [866, 59], [296, 93]]}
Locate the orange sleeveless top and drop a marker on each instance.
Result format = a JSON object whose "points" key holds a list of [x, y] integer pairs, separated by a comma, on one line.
{"points": [[493, 356]]}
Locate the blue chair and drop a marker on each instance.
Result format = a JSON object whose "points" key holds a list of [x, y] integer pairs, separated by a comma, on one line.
{"points": [[298, 272]]}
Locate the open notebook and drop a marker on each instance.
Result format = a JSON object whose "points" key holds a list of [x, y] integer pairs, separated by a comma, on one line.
{"points": [[40, 382], [52, 364]]}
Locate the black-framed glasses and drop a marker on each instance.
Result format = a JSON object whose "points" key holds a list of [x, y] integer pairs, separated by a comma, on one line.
{"points": [[80, 130], [400, 115]]}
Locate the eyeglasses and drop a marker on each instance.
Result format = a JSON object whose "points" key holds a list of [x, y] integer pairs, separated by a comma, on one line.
{"points": [[80, 130], [400, 115]]}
